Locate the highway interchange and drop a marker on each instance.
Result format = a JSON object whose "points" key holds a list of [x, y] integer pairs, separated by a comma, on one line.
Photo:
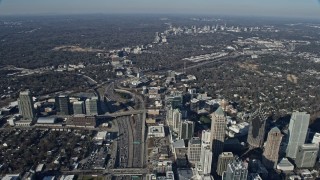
{"points": [[131, 135]]}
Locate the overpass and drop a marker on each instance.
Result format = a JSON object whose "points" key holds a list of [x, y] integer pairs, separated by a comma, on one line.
{"points": [[124, 113], [126, 171]]}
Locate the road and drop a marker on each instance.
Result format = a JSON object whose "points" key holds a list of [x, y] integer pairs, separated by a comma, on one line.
{"points": [[123, 113], [115, 172]]}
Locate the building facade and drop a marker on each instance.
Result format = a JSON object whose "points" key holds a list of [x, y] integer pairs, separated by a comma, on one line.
{"points": [[224, 159], [194, 150], [236, 170], [271, 151], [206, 153], [79, 107], [218, 131], [307, 155], [257, 129], [82, 121], [26, 107], [186, 129], [92, 106], [63, 105], [176, 120], [206, 160], [298, 128]]}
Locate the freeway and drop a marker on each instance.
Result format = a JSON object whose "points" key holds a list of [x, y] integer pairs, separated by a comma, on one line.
{"points": [[115, 172], [133, 128], [232, 55]]}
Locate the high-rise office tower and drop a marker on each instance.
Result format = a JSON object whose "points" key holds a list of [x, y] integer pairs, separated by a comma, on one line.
{"points": [[257, 129], [236, 170], [307, 155], [92, 106], [194, 150], [176, 120], [169, 116], [206, 153], [63, 104], [206, 138], [186, 129], [218, 126], [224, 159], [206, 160], [298, 128], [175, 99], [78, 107], [316, 140], [271, 151], [26, 107]]}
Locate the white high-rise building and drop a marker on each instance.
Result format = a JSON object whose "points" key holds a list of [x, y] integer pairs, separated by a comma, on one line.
{"points": [[206, 160], [170, 117], [206, 138], [26, 107], [176, 120], [194, 150], [206, 153], [92, 106], [316, 138], [307, 155], [78, 107], [298, 129]]}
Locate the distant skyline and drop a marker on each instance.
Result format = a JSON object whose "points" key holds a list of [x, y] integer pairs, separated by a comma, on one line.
{"points": [[280, 8]]}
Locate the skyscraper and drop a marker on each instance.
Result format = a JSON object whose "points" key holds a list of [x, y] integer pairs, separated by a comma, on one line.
{"points": [[218, 125], [78, 107], [298, 128], [63, 104], [206, 138], [186, 129], [194, 150], [307, 155], [236, 170], [206, 160], [25, 103], [224, 159], [257, 128], [92, 106], [169, 117], [176, 119], [271, 151], [206, 153]]}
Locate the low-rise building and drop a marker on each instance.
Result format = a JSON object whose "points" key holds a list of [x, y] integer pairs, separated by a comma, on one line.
{"points": [[156, 131], [82, 121], [285, 165], [46, 120]]}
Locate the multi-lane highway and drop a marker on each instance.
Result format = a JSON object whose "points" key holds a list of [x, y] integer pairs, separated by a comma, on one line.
{"points": [[131, 124]]}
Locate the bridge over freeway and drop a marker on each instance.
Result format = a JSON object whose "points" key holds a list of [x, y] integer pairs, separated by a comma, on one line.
{"points": [[126, 171], [124, 113]]}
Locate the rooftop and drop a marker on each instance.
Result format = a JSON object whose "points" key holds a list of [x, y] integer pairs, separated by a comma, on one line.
{"points": [[219, 111]]}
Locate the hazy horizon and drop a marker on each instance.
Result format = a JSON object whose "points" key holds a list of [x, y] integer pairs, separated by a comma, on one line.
{"points": [[272, 8]]}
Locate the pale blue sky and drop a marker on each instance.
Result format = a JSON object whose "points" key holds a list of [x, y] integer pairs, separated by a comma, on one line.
{"points": [[288, 8]]}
